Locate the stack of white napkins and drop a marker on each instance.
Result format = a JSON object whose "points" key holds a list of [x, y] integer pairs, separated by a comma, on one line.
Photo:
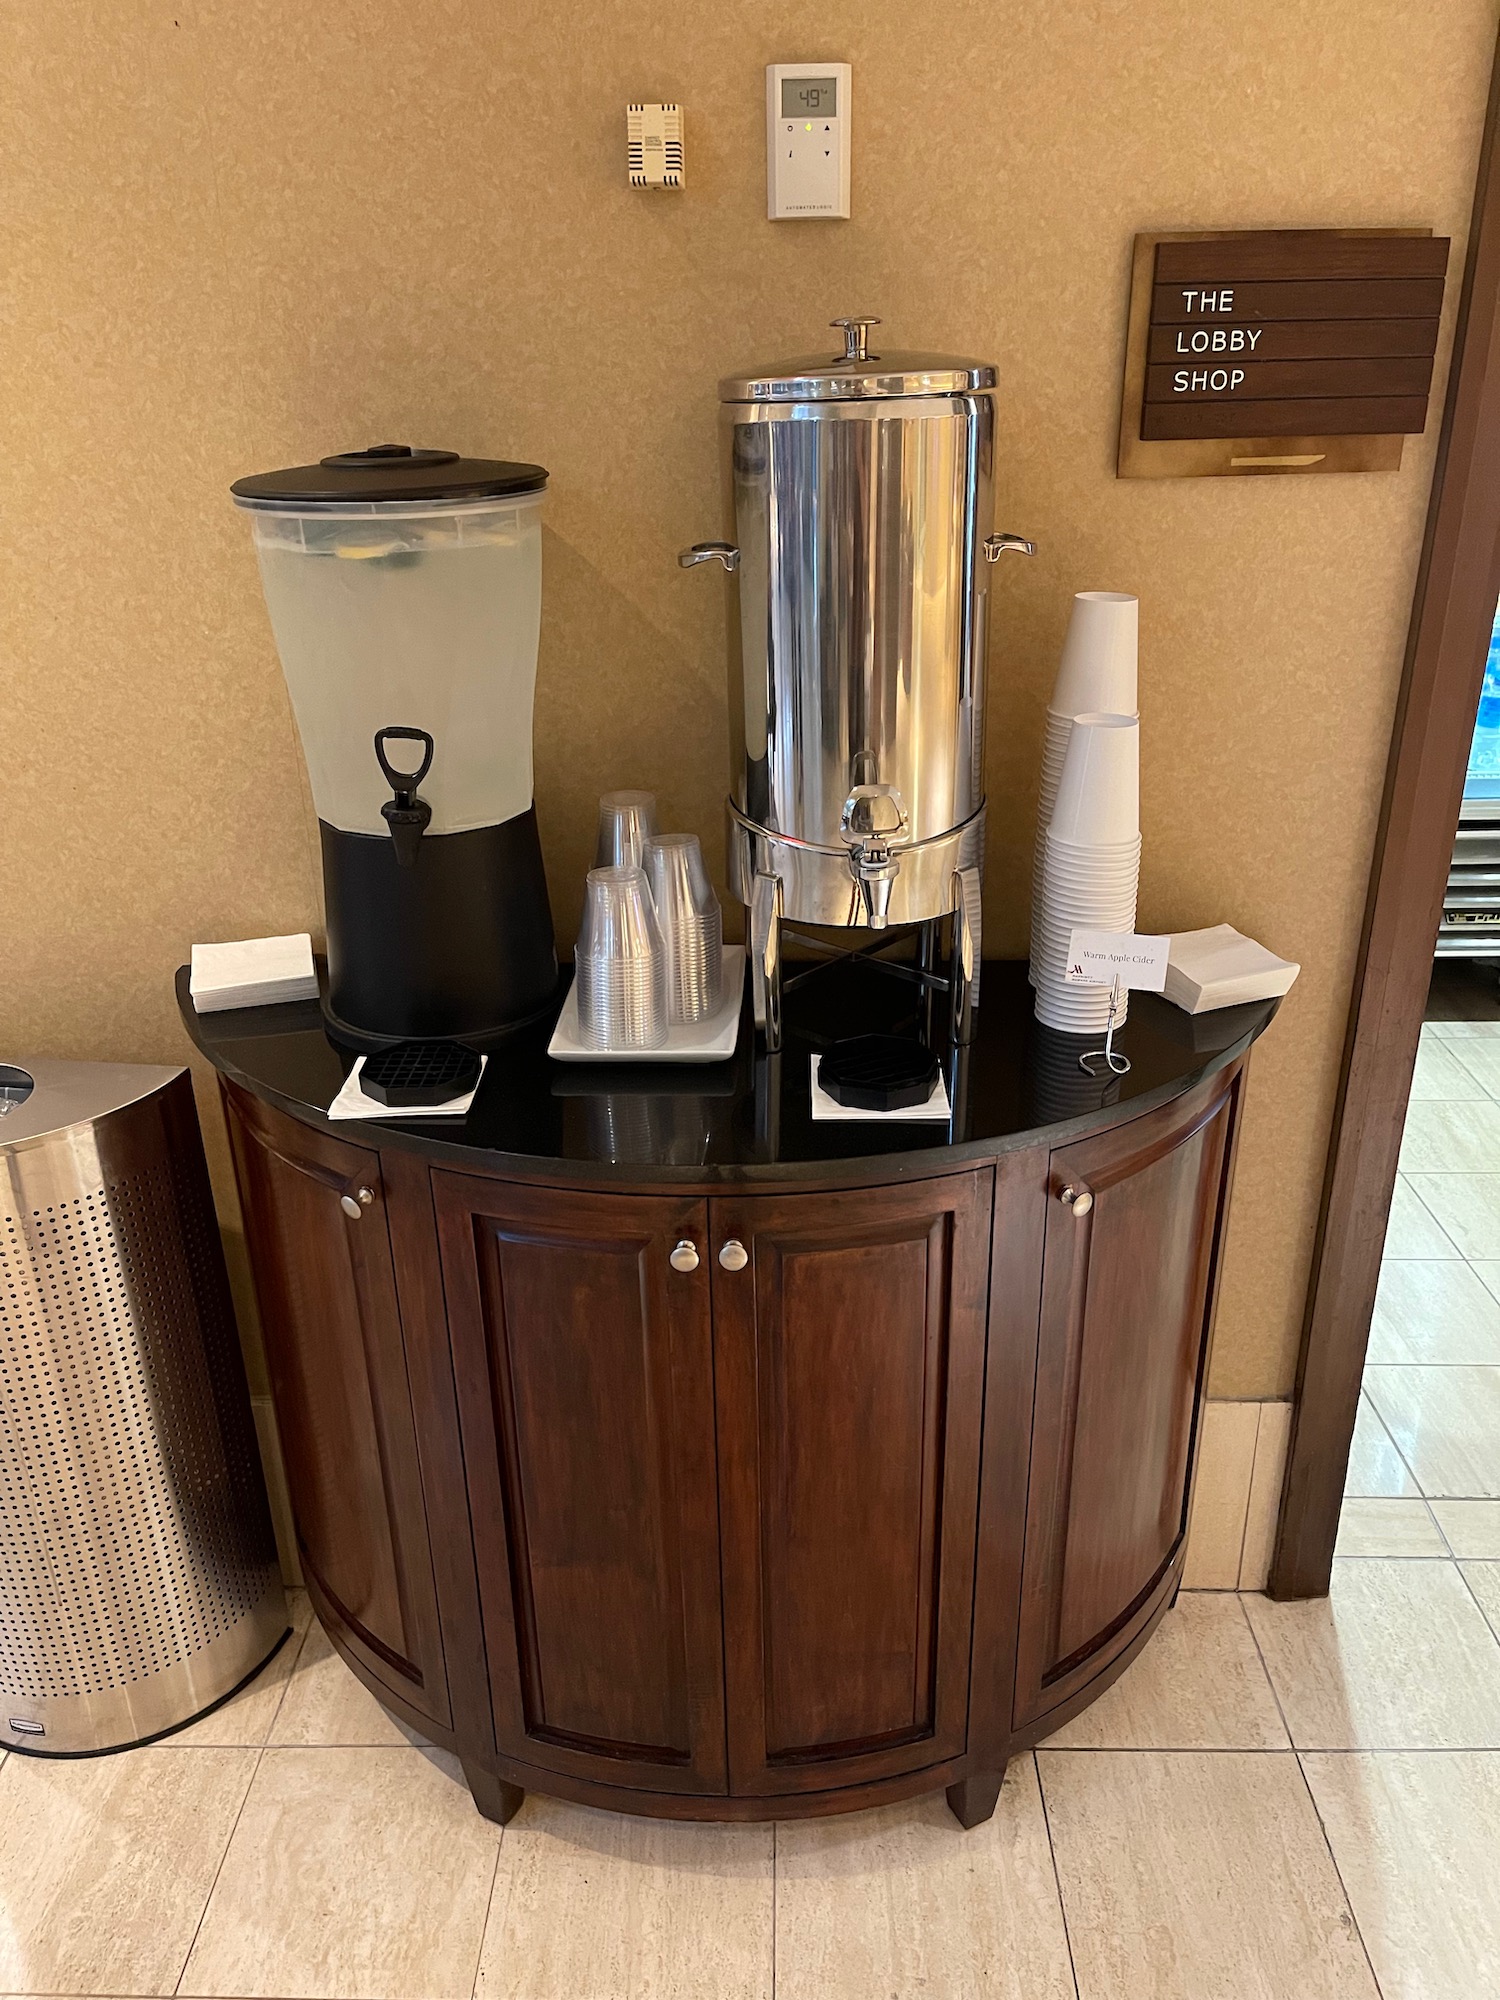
{"points": [[1220, 968], [257, 972]]}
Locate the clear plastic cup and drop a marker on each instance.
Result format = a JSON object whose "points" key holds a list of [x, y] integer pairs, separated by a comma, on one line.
{"points": [[1097, 671], [692, 926], [627, 821], [619, 965], [1099, 793]]}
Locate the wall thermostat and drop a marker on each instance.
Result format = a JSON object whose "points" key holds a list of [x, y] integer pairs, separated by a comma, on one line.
{"points": [[653, 145], [807, 140]]}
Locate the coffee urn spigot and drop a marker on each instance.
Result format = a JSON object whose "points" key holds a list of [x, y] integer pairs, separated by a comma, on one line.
{"points": [[873, 820]]}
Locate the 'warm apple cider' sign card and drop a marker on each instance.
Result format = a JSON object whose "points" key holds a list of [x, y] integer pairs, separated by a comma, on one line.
{"points": [[1284, 350]]}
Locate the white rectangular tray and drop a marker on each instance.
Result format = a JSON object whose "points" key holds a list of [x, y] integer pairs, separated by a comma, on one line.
{"points": [[707, 1041]]}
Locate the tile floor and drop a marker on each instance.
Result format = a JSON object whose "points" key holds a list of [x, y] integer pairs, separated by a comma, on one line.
{"points": [[1276, 1802], [1424, 1474]]}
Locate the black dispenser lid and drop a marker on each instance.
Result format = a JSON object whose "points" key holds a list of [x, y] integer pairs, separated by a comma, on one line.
{"points": [[389, 472]]}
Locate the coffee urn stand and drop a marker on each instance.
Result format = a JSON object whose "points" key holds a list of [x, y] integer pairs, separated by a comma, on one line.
{"points": [[873, 885]]}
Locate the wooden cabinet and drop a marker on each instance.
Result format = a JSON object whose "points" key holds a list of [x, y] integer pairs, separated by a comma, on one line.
{"points": [[744, 1503], [585, 1372], [336, 1355], [849, 1361], [1134, 1218]]}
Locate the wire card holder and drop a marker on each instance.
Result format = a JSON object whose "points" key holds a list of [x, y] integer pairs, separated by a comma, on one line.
{"points": [[1116, 1063]]}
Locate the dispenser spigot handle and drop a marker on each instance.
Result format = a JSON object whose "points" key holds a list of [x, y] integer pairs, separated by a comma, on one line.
{"points": [[407, 816]]}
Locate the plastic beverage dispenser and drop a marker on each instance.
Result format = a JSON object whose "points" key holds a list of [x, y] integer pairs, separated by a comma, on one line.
{"points": [[404, 588]]}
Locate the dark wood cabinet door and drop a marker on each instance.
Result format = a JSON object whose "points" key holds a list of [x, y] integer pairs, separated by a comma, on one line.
{"points": [[849, 1358], [585, 1372], [337, 1362], [1127, 1295]]}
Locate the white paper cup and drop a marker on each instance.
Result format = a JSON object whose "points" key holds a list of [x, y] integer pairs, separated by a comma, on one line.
{"points": [[1099, 793], [1097, 672], [1056, 1009]]}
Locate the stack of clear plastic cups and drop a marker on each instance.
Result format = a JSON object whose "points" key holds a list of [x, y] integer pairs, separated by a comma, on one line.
{"points": [[619, 966], [692, 926], [1091, 867], [1096, 675], [627, 821]]}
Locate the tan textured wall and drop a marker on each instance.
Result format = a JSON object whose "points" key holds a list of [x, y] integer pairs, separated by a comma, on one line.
{"points": [[237, 234]]}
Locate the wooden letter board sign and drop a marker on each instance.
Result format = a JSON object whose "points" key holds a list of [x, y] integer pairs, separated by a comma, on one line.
{"points": [[1280, 350]]}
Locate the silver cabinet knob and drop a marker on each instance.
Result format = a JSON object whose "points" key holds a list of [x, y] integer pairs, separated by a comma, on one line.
{"points": [[354, 1205], [734, 1256], [1078, 1199], [684, 1256]]}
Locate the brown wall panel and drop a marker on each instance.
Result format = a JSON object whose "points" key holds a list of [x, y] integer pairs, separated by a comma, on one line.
{"points": [[1312, 254], [1293, 340]]}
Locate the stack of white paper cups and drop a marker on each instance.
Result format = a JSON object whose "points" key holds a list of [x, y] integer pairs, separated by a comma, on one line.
{"points": [[1096, 676], [1091, 863]]}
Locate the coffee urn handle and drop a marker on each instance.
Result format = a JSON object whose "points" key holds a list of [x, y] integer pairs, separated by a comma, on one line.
{"points": [[856, 332], [996, 546], [702, 552]]}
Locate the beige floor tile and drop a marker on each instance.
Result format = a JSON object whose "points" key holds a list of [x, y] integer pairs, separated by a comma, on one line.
{"points": [[1470, 1527], [1198, 1877], [1440, 1073], [1446, 1424], [904, 1902], [1480, 1056], [1434, 1310], [106, 1864], [1263, 1514], [1451, 1138], [324, 1703], [1396, 1657], [1221, 1496], [1466, 1208], [1376, 1469], [601, 1906], [1198, 1685], [1462, 1031], [248, 1718], [1412, 1230], [1388, 1528], [1483, 1579], [350, 1872], [1415, 1838]]}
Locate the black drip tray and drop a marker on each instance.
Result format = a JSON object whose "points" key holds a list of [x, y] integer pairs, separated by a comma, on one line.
{"points": [[413, 1074], [879, 1073]]}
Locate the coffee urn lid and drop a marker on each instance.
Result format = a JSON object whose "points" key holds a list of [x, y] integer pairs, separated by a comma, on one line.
{"points": [[859, 372], [394, 473]]}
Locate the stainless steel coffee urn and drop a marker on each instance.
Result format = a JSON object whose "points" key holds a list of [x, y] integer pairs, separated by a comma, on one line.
{"points": [[862, 492]]}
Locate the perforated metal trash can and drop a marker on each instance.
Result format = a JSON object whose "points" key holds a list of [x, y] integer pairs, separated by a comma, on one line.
{"points": [[138, 1576]]}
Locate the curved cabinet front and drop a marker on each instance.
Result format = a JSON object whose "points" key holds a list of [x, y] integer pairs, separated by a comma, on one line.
{"points": [[1133, 1225], [326, 1288]]}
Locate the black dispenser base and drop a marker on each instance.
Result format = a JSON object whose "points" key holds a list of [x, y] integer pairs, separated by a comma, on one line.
{"points": [[458, 945]]}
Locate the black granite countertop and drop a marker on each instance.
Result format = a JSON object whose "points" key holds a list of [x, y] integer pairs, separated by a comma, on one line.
{"points": [[748, 1119]]}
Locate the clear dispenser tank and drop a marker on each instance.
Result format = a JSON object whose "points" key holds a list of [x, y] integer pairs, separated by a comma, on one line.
{"points": [[404, 590]]}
